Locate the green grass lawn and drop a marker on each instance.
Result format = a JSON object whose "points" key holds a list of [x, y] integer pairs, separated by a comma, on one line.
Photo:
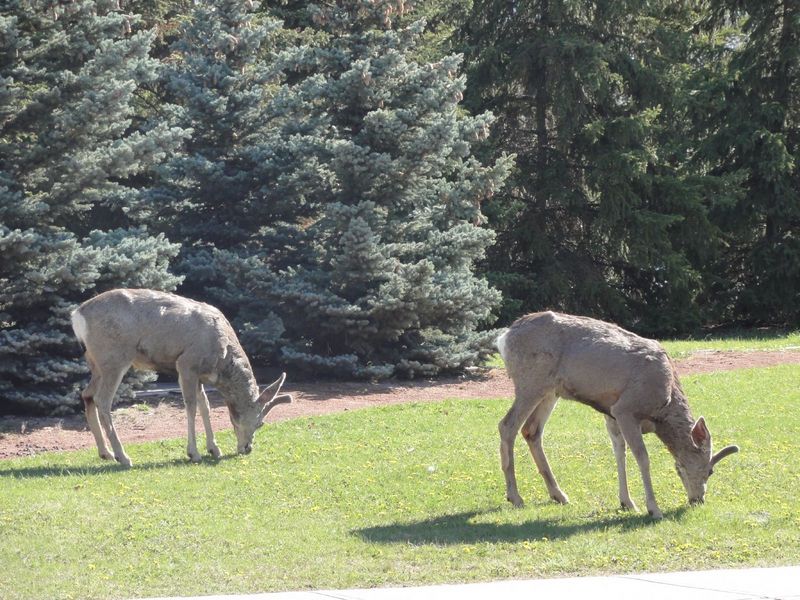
{"points": [[401, 495], [751, 340]]}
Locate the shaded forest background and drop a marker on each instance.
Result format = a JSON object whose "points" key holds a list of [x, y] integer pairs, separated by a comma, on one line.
{"points": [[368, 188]]}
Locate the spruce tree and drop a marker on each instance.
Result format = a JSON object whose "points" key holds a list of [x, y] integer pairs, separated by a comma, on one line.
{"points": [[328, 196], [72, 159], [217, 77], [602, 215], [234, 199], [387, 283], [748, 119]]}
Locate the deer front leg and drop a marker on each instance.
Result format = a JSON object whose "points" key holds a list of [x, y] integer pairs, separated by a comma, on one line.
{"points": [[189, 386], [631, 431], [211, 444], [618, 444]]}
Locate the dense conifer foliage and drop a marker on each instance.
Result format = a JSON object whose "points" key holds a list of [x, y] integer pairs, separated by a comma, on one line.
{"points": [[367, 189], [656, 176], [747, 112], [73, 166]]}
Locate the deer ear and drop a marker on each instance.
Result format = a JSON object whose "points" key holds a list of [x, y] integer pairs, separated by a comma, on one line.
{"points": [[700, 433], [269, 392]]}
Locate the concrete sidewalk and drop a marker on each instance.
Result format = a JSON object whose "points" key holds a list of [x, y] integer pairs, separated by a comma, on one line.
{"points": [[734, 584]]}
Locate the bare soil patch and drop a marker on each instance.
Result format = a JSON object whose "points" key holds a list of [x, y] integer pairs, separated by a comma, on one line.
{"points": [[165, 418]]}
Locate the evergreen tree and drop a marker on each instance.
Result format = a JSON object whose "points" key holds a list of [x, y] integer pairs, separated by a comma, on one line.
{"points": [[236, 197], [70, 165], [217, 77], [602, 215], [387, 284], [747, 114]]}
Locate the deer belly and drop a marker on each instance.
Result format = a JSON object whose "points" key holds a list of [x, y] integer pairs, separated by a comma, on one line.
{"points": [[599, 399], [144, 362]]}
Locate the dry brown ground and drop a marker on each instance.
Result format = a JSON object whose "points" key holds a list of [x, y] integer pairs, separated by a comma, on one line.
{"points": [[165, 418]]}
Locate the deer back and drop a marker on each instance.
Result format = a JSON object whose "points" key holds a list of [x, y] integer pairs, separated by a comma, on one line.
{"points": [[153, 329], [586, 360]]}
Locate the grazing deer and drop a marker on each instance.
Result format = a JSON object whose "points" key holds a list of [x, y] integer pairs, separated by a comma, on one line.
{"points": [[629, 379], [163, 332]]}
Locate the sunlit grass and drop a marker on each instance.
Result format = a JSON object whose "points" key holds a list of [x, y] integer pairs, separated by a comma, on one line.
{"points": [[401, 495], [751, 340]]}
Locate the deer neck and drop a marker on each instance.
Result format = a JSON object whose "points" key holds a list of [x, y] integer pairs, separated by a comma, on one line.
{"points": [[674, 422], [235, 379]]}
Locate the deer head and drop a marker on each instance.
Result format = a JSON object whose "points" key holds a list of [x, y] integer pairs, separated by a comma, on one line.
{"points": [[247, 419], [697, 464]]}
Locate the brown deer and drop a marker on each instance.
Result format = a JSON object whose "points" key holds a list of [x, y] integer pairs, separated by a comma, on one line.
{"points": [[163, 332], [629, 379]]}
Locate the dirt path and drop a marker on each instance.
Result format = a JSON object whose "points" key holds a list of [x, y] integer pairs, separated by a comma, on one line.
{"points": [[165, 419]]}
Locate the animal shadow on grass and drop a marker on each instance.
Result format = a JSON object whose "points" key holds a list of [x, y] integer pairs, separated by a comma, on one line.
{"points": [[62, 470], [459, 528]]}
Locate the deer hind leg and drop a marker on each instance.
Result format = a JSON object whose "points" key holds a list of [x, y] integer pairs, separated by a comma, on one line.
{"points": [[532, 431], [618, 444], [189, 385], [103, 398], [631, 429], [211, 444], [90, 408], [524, 405]]}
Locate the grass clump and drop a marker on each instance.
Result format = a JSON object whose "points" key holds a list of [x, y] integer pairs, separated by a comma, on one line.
{"points": [[402, 495]]}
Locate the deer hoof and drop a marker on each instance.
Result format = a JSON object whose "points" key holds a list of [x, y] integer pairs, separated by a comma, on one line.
{"points": [[656, 514], [106, 456], [195, 457], [628, 505], [516, 501], [560, 497], [124, 461], [214, 452]]}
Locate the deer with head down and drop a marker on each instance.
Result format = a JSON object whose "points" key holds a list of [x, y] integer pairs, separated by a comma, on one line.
{"points": [[163, 332], [629, 379]]}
